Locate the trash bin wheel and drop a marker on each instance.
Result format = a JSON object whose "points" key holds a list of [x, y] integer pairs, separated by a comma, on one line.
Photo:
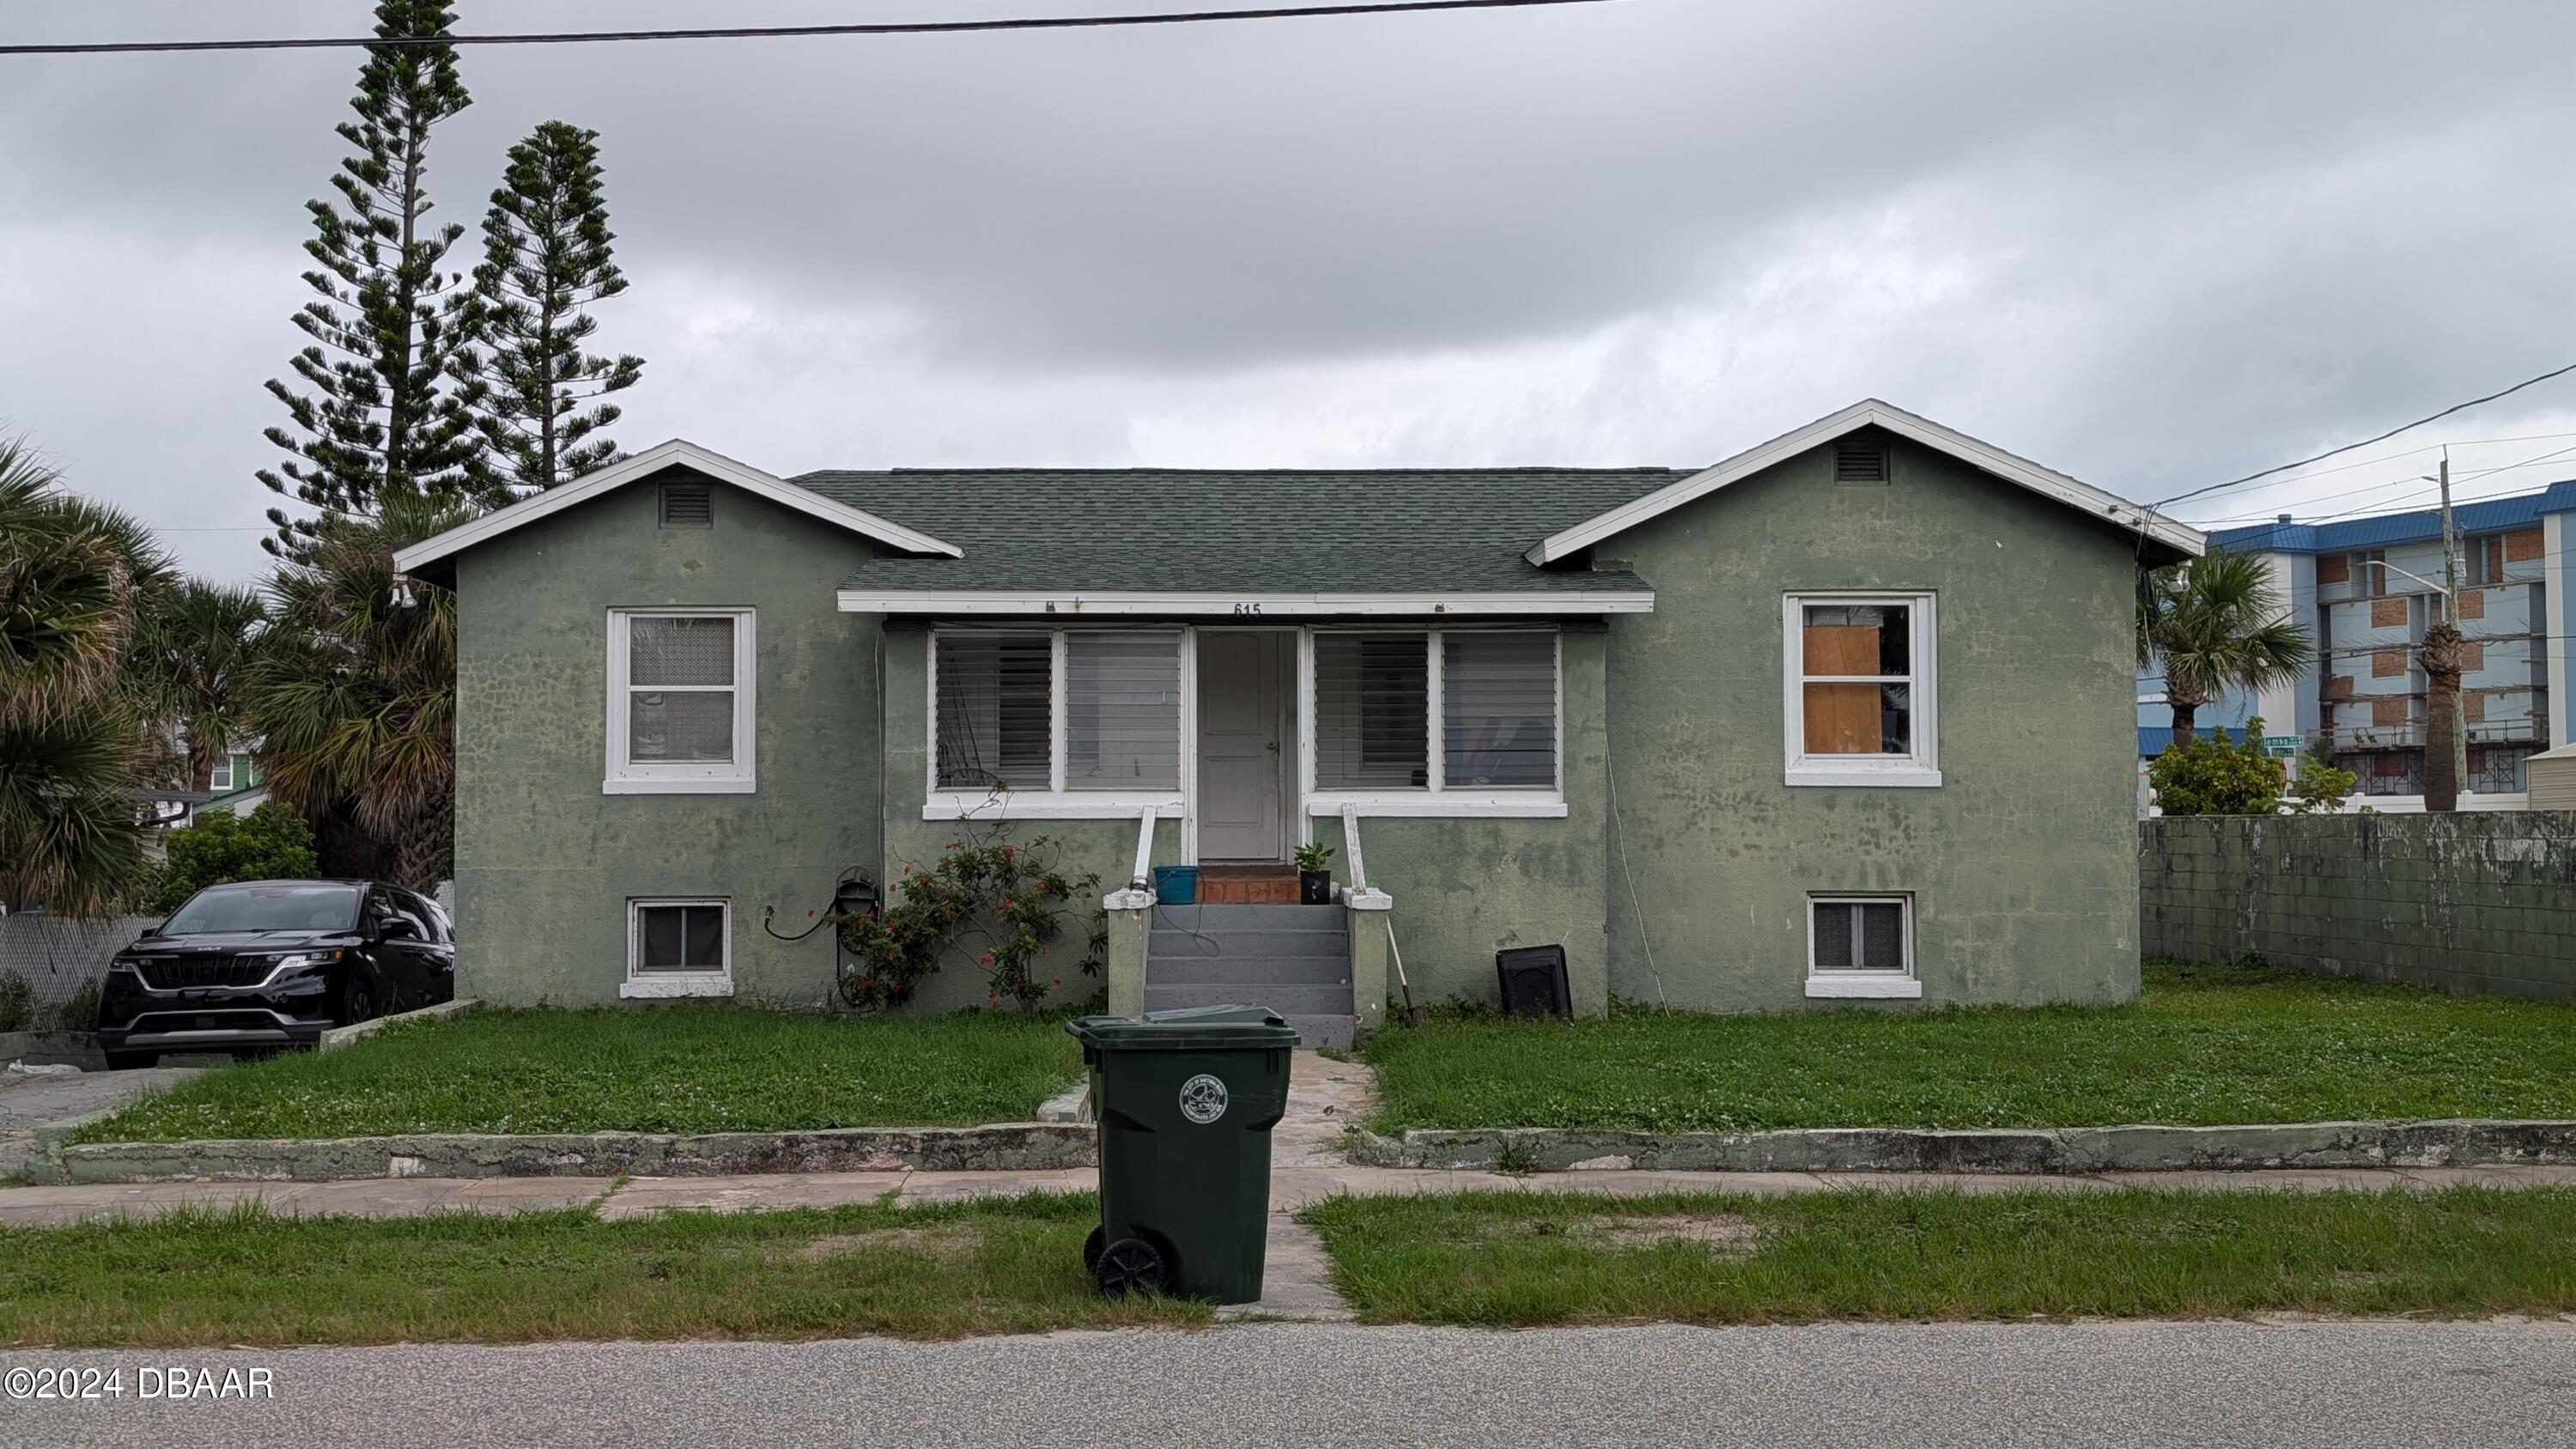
{"points": [[1091, 1247], [1131, 1265]]}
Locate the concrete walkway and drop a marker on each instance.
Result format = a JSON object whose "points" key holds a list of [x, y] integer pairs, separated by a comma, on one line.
{"points": [[30, 1101]]}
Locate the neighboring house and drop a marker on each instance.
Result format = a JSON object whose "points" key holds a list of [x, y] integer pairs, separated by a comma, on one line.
{"points": [[232, 787], [1847, 715], [2368, 588]]}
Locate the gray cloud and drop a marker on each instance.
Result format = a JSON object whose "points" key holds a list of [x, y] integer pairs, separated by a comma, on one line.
{"points": [[2154, 244]]}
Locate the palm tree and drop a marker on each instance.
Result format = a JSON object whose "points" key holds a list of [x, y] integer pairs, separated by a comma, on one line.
{"points": [[2216, 624], [200, 640], [354, 694], [78, 735]]}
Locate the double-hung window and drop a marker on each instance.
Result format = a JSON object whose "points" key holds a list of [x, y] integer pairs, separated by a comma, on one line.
{"points": [[1087, 719], [680, 701], [1859, 694], [1861, 946], [1437, 721]]}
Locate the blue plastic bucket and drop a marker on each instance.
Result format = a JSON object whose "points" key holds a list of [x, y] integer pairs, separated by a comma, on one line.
{"points": [[1176, 885]]}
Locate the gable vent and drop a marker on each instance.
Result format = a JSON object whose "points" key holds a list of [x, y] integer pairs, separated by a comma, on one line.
{"points": [[688, 505], [1860, 463]]}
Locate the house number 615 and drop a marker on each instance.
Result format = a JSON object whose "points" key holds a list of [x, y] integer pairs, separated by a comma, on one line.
{"points": [[1247, 608]]}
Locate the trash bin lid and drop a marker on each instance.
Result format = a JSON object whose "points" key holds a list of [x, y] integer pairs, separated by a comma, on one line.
{"points": [[1186, 1029]]}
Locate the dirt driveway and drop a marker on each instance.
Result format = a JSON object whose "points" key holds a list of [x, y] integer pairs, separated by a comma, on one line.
{"points": [[28, 1102]]}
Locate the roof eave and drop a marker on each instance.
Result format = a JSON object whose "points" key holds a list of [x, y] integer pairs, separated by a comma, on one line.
{"points": [[1112, 604], [675, 453], [2184, 540]]}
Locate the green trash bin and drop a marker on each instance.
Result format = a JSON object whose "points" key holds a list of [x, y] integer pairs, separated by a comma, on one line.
{"points": [[1185, 1100]]}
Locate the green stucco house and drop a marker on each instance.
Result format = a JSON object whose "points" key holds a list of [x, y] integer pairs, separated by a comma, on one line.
{"points": [[1849, 716]]}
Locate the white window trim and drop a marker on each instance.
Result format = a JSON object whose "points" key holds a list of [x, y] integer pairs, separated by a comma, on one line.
{"points": [[732, 778], [670, 984], [1055, 802], [1864, 985], [1436, 800], [1919, 770], [219, 778]]}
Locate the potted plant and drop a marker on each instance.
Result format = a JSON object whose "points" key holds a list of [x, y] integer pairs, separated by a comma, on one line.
{"points": [[1315, 874]]}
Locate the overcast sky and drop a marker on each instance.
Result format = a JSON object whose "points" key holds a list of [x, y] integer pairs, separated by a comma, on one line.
{"points": [[2155, 245]]}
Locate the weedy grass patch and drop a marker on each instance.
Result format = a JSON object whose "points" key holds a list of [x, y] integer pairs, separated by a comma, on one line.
{"points": [[250, 1276], [2204, 1045], [1521, 1259], [685, 1067]]}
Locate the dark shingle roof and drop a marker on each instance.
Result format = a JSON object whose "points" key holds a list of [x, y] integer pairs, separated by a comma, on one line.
{"points": [[1271, 531]]}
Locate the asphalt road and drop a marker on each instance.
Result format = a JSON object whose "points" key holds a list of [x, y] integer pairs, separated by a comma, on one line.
{"points": [[1889, 1387]]}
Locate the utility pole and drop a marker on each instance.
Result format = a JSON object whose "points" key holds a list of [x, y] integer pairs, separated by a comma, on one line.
{"points": [[2446, 744]]}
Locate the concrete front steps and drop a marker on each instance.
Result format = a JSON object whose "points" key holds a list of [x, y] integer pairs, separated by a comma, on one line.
{"points": [[1296, 960]]}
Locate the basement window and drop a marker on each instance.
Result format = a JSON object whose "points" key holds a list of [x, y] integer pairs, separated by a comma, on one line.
{"points": [[1861, 946], [678, 947]]}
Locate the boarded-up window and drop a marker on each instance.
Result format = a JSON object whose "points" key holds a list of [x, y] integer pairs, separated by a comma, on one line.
{"points": [[2334, 568], [2473, 657], [2473, 707], [2338, 686], [1122, 711], [2473, 603], [2523, 545], [994, 711], [2389, 712], [2388, 613], [2387, 663], [1857, 679]]}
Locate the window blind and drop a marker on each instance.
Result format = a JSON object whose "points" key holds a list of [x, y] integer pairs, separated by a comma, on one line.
{"points": [[994, 724], [679, 677], [1498, 708], [1372, 711], [1122, 711]]}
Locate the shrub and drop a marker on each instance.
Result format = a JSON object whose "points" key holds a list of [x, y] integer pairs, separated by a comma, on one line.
{"points": [[17, 1003], [2321, 785], [79, 1011], [2213, 775], [271, 843], [1011, 895]]}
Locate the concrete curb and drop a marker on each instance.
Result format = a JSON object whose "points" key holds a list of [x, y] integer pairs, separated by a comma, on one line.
{"points": [[340, 1036], [2466, 1142], [1004, 1147]]}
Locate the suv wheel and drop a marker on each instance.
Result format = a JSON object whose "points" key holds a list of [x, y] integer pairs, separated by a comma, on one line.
{"points": [[357, 1002]]}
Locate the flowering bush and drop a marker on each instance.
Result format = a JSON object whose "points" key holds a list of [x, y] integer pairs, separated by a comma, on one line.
{"points": [[1011, 896]]}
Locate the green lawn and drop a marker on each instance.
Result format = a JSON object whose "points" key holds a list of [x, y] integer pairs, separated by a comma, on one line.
{"points": [[2205, 1045], [247, 1277], [1515, 1259], [679, 1068]]}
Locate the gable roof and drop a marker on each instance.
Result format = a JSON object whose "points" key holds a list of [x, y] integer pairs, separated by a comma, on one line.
{"points": [[653, 460], [1150, 540], [1870, 412]]}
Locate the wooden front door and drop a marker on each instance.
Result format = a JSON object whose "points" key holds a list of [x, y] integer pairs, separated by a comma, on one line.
{"points": [[1243, 744]]}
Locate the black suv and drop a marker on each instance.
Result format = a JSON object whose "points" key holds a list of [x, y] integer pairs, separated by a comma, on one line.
{"points": [[257, 965]]}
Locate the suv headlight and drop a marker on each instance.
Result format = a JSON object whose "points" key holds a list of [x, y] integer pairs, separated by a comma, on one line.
{"points": [[126, 964], [304, 960]]}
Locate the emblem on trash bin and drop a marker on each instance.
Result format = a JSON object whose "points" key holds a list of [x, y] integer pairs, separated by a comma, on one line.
{"points": [[1203, 1099]]}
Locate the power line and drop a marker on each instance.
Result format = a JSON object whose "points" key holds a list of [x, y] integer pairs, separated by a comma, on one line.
{"points": [[763, 32], [2366, 442]]}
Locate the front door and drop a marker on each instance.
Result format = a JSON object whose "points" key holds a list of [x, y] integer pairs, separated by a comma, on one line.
{"points": [[1243, 744]]}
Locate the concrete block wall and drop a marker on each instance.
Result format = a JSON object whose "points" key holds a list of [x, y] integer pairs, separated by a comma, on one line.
{"points": [[2461, 903]]}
